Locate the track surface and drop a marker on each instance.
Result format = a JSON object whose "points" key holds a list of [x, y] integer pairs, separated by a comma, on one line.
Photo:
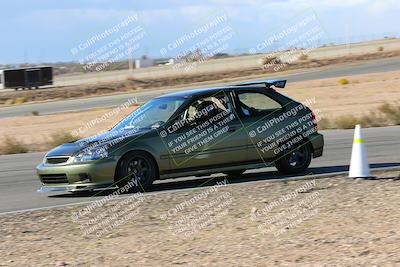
{"points": [[18, 182], [372, 66]]}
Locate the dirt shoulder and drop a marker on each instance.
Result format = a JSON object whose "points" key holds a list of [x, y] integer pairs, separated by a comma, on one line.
{"points": [[330, 221], [133, 84]]}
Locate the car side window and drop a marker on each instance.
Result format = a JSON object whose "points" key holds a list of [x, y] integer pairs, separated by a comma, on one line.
{"points": [[205, 108], [255, 103]]}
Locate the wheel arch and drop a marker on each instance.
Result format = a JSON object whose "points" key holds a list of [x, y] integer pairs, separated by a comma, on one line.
{"points": [[126, 153], [305, 141]]}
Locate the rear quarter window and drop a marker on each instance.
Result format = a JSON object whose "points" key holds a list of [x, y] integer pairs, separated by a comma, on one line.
{"points": [[258, 101]]}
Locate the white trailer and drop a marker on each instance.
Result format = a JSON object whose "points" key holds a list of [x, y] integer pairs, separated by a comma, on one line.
{"points": [[1, 79]]}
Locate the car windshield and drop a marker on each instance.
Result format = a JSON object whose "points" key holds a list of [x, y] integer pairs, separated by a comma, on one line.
{"points": [[154, 113]]}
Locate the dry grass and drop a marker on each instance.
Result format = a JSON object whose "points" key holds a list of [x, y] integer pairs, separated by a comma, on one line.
{"points": [[11, 145], [19, 100], [324, 123], [392, 112], [16, 101], [303, 57], [43, 132], [60, 138], [271, 60], [345, 122], [343, 81], [388, 114]]}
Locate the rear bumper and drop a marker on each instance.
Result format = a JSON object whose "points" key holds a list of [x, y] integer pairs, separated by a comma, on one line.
{"points": [[76, 177], [317, 142]]}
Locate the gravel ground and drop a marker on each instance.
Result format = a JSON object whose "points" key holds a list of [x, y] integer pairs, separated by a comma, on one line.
{"points": [[335, 221]]}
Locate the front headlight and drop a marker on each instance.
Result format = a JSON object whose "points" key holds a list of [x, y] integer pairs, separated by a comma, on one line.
{"points": [[91, 155], [44, 160]]}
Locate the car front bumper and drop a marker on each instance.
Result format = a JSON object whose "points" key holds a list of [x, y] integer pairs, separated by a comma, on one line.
{"points": [[98, 175]]}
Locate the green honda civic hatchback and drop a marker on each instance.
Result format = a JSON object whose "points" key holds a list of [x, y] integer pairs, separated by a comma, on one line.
{"points": [[190, 133]]}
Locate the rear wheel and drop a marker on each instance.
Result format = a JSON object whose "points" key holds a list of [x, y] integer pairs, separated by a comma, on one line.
{"points": [[296, 161], [137, 169]]}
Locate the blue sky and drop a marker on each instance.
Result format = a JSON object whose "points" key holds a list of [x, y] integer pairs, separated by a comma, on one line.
{"points": [[46, 30]]}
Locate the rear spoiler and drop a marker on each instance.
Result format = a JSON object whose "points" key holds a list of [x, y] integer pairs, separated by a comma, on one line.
{"points": [[267, 83]]}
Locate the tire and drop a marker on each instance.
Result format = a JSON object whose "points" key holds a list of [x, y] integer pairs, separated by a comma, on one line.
{"points": [[137, 167], [234, 173], [296, 161]]}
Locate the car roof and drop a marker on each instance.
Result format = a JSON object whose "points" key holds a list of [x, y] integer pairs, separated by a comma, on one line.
{"points": [[204, 91]]}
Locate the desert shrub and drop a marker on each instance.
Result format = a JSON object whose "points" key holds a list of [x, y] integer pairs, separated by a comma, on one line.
{"points": [[372, 120], [343, 81], [270, 60], [19, 100], [11, 145], [324, 123], [35, 113], [61, 138], [346, 122], [381, 48], [303, 57], [390, 112], [9, 102]]}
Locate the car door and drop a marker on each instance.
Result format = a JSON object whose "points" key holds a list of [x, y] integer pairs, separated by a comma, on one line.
{"points": [[207, 133], [261, 117]]}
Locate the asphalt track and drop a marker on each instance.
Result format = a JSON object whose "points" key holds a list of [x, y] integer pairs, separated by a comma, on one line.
{"points": [[372, 66], [18, 182]]}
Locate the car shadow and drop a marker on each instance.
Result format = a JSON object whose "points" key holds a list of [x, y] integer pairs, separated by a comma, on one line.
{"points": [[199, 182]]}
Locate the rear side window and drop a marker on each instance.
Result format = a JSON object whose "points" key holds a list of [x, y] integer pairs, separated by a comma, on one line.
{"points": [[253, 103]]}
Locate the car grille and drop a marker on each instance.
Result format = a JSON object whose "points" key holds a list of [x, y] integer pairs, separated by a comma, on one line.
{"points": [[54, 178], [57, 160]]}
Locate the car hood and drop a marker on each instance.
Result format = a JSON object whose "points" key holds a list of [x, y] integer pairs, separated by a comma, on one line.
{"points": [[93, 142]]}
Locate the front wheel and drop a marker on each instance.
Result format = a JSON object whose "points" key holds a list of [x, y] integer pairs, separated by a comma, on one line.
{"points": [[295, 161], [136, 169]]}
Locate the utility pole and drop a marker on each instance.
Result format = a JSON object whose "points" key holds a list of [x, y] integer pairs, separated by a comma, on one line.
{"points": [[130, 58]]}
